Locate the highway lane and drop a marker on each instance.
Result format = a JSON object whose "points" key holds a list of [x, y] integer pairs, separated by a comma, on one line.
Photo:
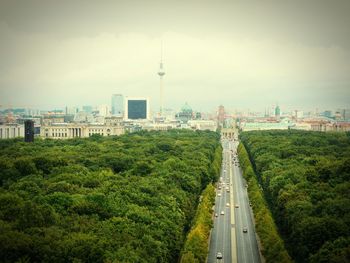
{"points": [[247, 246], [227, 235], [221, 233]]}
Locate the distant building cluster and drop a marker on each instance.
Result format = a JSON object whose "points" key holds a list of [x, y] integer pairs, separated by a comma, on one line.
{"points": [[124, 114], [274, 119], [131, 114]]}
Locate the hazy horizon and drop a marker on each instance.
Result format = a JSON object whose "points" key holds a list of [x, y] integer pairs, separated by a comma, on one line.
{"points": [[239, 54]]}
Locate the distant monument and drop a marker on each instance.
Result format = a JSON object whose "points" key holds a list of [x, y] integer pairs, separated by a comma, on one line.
{"points": [[29, 131]]}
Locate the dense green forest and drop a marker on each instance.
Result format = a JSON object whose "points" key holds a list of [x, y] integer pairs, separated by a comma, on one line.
{"points": [[103, 199], [305, 177], [196, 246], [271, 244]]}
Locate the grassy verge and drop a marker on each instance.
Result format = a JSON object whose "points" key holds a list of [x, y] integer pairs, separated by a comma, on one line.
{"points": [[273, 248]]}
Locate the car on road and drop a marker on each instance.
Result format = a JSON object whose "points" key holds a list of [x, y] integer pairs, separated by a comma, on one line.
{"points": [[245, 230], [237, 205], [227, 204], [219, 194], [219, 255], [216, 214], [222, 213]]}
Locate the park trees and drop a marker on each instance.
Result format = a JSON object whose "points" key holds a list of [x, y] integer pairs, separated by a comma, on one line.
{"points": [[104, 199], [305, 177]]}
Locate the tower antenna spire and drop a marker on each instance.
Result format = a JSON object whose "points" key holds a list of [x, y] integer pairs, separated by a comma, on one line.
{"points": [[161, 73], [161, 51]]}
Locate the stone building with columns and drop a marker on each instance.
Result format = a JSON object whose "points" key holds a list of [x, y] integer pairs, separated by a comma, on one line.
{"points": [[11, 130], [111, 126]]}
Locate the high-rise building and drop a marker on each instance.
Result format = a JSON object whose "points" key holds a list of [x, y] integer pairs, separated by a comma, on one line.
{"points": [[277, 111], [103, 110], [118, 105], [87, 109], [71, 110], [221, 115], [137, 108], [29, 131]]}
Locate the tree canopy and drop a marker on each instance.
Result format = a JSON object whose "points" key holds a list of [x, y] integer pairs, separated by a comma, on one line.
{"points": [[102, 199], [305, 177]]}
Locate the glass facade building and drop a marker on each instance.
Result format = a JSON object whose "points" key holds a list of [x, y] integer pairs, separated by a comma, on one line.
{"points": [[137, 109], [118, 105]]}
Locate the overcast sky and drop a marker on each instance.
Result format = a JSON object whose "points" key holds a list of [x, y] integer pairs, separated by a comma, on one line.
{"points": [[242, 54]]}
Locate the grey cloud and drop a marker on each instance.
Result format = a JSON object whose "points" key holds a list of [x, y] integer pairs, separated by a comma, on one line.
{"points": [[314, 22], [232, 52]]}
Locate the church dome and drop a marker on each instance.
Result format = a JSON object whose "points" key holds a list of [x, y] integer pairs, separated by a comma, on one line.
{"points": [[186, 108]]}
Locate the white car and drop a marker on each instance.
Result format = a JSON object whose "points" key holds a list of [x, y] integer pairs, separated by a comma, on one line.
{"points": [[219, 255], [237, 206], [219, 194], [222, 213], [227, 204]]}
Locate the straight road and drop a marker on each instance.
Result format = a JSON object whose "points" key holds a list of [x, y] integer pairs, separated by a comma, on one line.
{"points": [[227, 236], [247, 245]]}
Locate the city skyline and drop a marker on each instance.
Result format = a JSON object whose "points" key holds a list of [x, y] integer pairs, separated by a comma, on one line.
{"points": [[241, 55], [231, 109]]}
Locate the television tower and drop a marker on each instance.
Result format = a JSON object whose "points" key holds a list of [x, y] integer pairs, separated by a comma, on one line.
{"points": [[161, 73]]}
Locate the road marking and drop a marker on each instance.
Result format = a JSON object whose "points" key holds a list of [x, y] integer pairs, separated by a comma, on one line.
{"points": [[233, 245]]}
